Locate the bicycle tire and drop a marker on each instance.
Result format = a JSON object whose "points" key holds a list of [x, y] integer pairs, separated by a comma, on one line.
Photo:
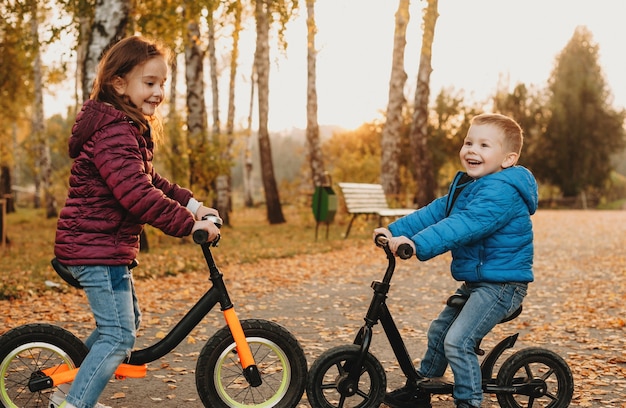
{"points": [[329, 387], [28, 349], [544, 367], [278, 355]]}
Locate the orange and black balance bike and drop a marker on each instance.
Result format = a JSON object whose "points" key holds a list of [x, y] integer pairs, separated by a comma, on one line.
{"points": [[250, 363]]}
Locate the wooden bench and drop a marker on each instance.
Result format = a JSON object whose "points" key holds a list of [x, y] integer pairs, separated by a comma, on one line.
{"points": [[368, 199]]}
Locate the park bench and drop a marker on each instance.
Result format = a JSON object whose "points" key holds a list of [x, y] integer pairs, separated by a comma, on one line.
{"points": [[368, 199]]}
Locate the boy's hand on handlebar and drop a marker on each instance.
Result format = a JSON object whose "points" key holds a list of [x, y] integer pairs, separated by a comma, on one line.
{"points": [[395, 242], [381, 231]]}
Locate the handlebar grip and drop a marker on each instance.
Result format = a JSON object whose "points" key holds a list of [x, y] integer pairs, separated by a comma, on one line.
{"points": [[202, 236], [405, 251]]}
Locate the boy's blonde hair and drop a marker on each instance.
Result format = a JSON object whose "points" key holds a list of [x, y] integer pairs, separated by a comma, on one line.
{"points": [[513, 133]]}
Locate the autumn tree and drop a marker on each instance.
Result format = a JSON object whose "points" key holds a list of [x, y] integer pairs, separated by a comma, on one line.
{"points": [[316, 160], [41, 148], [583, 131], [264, 15], [390, 139], [108, 27], [16, 69], [427, 186]]}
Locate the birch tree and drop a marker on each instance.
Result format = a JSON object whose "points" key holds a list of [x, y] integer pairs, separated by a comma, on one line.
{"points": [[196, 106], [262, 66], [418, 135], [392, 129], [316, 160], [108, 26], [43, 168], [223, 182]]}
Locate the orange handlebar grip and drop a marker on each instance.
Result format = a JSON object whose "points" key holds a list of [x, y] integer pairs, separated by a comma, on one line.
{"points": [[243, 348]]}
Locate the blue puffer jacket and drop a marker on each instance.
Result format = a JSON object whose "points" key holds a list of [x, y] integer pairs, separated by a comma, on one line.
{"points": [[488, 227]]}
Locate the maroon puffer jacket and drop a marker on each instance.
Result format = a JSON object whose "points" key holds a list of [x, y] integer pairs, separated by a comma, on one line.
{"points": [[114, 191]]}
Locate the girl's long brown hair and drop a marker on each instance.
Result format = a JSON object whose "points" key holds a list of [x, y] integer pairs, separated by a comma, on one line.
{"points": [[118, 61]]}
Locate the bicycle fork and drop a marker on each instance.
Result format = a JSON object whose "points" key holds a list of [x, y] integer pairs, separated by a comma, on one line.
{"points": [[250, 369]]}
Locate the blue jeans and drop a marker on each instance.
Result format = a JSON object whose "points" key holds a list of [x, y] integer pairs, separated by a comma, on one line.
{"points": [[113, 302], [453, 336]]}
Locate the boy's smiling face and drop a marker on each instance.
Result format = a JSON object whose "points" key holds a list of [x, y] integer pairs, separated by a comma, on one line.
{"points": [[484, 151]]}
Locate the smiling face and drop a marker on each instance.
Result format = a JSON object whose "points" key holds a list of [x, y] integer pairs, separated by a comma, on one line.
{"points": [[484, 151], [144, 84]]}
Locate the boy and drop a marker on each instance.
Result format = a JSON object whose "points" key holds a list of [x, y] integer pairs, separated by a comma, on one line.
{"points": [[484, 220]]}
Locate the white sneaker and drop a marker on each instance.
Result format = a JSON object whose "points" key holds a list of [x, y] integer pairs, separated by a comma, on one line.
{"points": [[58, 398], [59, 395]]}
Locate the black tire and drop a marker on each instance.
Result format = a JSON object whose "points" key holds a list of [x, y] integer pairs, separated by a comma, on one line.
{"points": [[546, 369], [278, 355], [28, 349], [328, 384]]}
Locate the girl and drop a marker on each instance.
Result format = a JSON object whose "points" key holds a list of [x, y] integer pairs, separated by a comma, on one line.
{"points": [[114, 191]]}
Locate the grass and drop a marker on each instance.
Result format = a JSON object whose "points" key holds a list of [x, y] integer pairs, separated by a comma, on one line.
{"points": [[25, 261]]}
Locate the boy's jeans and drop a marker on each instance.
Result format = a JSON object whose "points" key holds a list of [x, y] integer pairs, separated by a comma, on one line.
{"points": [[453, 336], [113, 302]]}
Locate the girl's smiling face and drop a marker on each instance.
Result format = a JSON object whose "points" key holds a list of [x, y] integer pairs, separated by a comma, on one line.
{"points": [[484, 151], [144, 85]]}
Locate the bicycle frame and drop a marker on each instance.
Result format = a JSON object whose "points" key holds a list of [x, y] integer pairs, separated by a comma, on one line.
{"points": [[136, 365], [379, 312]]}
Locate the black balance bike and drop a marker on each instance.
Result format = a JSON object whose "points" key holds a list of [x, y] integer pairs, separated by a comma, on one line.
{"points": [[351, 377], [250, 363]]}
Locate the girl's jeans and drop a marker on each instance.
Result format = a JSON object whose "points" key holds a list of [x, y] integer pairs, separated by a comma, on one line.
{"points": [[453, 336], [113, 302]]}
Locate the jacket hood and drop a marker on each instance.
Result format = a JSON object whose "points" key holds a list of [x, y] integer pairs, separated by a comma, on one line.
{"points": [[524, 182], [92, 117]]}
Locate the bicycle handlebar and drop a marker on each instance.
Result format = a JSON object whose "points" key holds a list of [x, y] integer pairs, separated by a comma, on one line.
{"points": [[202, 236], [404, 250]]}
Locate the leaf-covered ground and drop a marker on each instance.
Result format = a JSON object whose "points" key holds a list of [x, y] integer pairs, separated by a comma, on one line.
{"points": [[575, 308]]}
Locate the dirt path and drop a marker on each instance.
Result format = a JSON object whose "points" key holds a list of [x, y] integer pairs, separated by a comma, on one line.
{"points": [[575, 308]]}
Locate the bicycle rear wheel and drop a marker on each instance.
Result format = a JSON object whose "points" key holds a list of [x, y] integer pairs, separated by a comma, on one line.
{"points": [[25, 352], [278, 355], [548, 376]]}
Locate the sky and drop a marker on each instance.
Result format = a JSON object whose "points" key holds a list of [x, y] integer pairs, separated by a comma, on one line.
{"points": [[477, 44]]}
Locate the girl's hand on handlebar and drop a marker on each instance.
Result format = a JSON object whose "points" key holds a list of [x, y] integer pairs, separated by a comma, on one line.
{"points": [[395, 242], [204, 211], [208, 226]]}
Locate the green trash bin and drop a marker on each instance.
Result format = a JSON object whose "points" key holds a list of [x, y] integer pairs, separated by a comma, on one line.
{"points": [[324, 206]]}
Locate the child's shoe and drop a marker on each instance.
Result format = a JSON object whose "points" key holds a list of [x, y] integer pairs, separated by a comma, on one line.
{"points": [[57, 400], [408, 397]]}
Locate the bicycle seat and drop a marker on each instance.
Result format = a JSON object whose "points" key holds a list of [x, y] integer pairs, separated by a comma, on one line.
{"points": [[67, 276], [458, 301]]}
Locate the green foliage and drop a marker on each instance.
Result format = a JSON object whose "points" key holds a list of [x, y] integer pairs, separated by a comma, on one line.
{"points": [[582, 131], [354, 156]]}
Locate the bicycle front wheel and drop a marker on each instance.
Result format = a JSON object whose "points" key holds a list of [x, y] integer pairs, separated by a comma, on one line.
{"points": [[25, 352], [279, 358], [330, 384]]}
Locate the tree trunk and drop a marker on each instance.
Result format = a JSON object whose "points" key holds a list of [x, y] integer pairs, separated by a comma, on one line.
{"points": [[196, 108], [178, 159], [223, 182], [44, 167], [108, 27], [419, 128], [390, 138], [316, 160], [262, 64], [247, 152]]}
